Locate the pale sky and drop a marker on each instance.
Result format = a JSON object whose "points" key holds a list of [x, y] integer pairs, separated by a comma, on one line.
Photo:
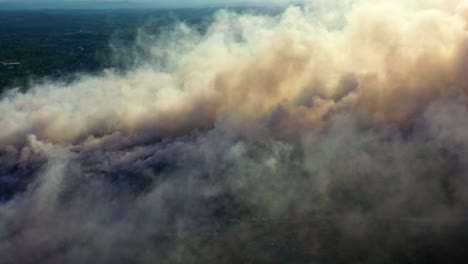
{"points": [[155, 3]]}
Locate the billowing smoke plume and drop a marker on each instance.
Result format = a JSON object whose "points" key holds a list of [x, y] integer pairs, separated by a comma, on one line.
{"points": [[331, 133]]}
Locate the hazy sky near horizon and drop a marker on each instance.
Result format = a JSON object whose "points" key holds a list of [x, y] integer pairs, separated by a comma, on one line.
{"points": [[32, 4], [148, 1]]}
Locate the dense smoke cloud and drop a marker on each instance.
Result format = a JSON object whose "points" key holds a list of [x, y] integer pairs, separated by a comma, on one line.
{"points": [[331, 133]]}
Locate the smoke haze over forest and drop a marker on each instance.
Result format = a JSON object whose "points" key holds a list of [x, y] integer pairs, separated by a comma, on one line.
{"points": [[334, 132]]}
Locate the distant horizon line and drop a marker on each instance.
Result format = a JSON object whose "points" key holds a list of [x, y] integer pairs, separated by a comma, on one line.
{"points": [[122, 5]]}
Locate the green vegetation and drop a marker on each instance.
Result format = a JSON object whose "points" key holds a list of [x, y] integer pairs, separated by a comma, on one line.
{"points": [[59, 44]]}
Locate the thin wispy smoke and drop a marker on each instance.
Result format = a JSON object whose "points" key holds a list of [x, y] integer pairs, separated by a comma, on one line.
{"points": [[332, 133]]}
